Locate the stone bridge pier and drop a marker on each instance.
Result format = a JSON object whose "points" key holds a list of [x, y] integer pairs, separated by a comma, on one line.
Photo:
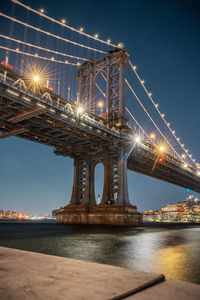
{"points": [[115, 207]]}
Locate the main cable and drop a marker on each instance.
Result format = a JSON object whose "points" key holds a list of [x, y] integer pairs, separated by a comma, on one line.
{"points": [[152, 119], [62, 23], [38, 56], [51, 34], [161, 115], [128, 112], [41, 48]]}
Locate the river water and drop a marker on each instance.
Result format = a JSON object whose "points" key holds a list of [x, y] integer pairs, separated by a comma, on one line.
{"points": [[171, 250]]}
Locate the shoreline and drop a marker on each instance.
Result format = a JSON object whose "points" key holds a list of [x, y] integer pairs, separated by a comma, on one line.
{"points": [[144, 224]]}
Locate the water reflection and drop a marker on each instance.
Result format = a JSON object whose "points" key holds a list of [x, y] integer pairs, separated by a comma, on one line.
{"points": [[171, 251], [174, 262]]}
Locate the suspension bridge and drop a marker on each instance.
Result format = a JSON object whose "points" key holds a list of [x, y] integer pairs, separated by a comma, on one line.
{"points": [[77, 98]]}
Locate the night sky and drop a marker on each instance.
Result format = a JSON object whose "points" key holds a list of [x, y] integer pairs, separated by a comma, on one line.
{"points": [[163, 40]]}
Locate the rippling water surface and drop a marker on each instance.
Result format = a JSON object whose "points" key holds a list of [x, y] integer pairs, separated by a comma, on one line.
{"points": [[171, 250]]}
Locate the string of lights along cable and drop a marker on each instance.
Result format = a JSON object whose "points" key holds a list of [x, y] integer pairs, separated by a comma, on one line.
{"points": [[169, 144], [41, 48], [134, 119], [161, 114], [148, 136], [63, 23], [38, 56], [51, 34], [37, 51]]}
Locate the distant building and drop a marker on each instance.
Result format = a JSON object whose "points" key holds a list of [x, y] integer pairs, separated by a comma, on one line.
{"points": [[8, 214], [187, 211], [14, 214]]}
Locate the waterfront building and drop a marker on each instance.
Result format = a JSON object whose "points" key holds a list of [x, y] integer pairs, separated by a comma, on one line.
{"points": [[8, 214], [14, 214], [186, 211]]}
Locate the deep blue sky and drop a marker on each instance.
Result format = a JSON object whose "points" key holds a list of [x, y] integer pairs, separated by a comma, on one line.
{"points": [[164, 42]]}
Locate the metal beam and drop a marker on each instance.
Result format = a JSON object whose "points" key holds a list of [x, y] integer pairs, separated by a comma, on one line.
{"points": [[13, 132], [25, 115]]}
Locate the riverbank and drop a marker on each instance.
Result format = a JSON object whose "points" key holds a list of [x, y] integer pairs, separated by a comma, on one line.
{"points": [[145, 223], [28, 275]]}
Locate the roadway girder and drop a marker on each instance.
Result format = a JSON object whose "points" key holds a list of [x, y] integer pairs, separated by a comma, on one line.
{"points": [[25, 115]]}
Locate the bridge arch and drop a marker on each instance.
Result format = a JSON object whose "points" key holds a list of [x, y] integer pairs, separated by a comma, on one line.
{"points": [[99, 181]]}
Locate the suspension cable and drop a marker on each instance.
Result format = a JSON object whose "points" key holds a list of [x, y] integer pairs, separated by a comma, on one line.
{"points": [[148, 116], [140, 126], [51, 34], [100, 89], [38, 56], [152, 119], [129, 113], [80, 31], [161, 115], [41, 48]]}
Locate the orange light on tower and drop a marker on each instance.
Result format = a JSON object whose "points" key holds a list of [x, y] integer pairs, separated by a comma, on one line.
{"points": [[101, 105], [152, 136]]}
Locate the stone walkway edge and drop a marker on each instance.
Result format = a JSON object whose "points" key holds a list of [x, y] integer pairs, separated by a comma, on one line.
{"points": [[28, 275]]}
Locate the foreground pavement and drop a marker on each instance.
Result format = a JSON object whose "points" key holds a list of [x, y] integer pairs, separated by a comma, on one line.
{"points": [[29, 275]]}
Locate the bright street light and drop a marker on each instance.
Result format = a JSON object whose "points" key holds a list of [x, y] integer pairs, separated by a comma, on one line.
{"points": [[36, 78], [137, 139], [80, 110], [100, 105], [162, 148]]}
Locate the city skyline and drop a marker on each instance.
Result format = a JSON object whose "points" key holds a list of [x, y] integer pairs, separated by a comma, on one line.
{"points": [[166, 54]]}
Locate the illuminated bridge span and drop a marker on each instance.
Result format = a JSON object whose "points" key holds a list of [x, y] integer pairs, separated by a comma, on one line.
{"points": [[88, 130]]}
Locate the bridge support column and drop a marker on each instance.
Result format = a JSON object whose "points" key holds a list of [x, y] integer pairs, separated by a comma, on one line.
{"points": [[110, 180], [78, 182], [122, 193], [83, 183], [115, 179], [89, 194]]}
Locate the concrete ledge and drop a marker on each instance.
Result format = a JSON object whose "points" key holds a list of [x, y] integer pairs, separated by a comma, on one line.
{"points": [[28, 275]]}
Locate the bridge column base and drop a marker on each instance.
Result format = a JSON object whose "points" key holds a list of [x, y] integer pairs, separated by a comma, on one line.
{"points": [[116, 214]]}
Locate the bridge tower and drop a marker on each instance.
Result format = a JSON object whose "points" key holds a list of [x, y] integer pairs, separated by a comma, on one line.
{"points": [[112, 68], [115, 206]]}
